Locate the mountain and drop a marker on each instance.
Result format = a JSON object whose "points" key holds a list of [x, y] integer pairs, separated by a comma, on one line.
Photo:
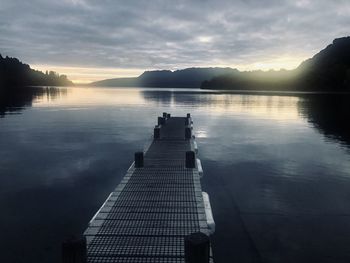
{"points": [[185, 78], [15, 73], [118, 82], [328, 70]]}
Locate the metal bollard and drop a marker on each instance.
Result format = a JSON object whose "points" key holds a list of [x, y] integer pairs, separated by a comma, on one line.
{"points": [[197, 248], [74, 250], [138, 159], [190, 159], [188, 133], [156, 134]]}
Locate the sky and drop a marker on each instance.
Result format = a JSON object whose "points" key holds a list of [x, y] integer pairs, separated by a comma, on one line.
{"points": [[90, 40]]}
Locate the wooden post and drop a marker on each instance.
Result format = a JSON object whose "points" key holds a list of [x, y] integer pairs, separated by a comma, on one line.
{"points": [[161, 120], [156, 134], [190, 159], [188, 133], [138, 159], [197, 248], [74, 250]]}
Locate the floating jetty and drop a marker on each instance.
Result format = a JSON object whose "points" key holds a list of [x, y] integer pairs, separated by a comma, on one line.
{"points": [[158, 212]]}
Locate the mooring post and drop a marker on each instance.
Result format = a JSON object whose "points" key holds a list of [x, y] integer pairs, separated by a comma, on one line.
{"points": [[188, 119], [138, 159], [197, 248], [156, 134], [190, 159], [161, 120], [188, 133], [74, 250]]}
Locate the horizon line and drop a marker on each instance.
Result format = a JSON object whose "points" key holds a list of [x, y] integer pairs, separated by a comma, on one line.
{"points": [[85, 75]]}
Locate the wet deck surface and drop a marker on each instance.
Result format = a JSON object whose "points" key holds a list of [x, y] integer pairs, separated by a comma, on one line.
{"points": [[146, 218]]}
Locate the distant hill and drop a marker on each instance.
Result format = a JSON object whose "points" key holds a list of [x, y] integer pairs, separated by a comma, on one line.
{"points": [[328, 70], [15, 73], [117, 82], [253, 80], [185, 78]]}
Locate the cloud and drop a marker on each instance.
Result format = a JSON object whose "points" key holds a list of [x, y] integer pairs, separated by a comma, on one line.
{"points": [[168, 34]]}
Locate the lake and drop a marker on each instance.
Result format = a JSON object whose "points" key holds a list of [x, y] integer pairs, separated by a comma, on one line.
{"points": [[276, 167]]}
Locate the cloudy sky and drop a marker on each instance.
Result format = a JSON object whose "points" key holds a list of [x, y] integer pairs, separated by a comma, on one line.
{"points": [[96, 39]]}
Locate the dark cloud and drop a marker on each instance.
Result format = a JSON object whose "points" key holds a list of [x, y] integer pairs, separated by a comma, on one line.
{"points": [[168, 34]]}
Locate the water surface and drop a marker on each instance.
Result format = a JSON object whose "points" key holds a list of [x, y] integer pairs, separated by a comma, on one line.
{"points": [[277, 168]]}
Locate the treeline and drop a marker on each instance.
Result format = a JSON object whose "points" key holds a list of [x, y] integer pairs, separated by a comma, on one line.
{"points": [[253, 80], [15, 73], [328, 70]]}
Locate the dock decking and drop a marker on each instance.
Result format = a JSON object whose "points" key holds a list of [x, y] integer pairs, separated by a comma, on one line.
{"points": [[157, 204]]}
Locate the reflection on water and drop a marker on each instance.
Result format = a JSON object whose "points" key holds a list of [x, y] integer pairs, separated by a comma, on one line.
{"points": [[330, 114], [14, 100], [273, 107], [277, 168]]}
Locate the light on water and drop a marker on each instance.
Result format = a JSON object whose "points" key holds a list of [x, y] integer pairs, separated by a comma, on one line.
{"points": [[277, 168]]}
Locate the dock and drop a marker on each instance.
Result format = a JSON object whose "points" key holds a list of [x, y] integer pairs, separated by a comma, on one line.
{"points": [[158, 212]]}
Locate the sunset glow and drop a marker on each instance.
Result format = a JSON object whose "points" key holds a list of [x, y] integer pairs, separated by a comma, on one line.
{"points": [[85, 75]]}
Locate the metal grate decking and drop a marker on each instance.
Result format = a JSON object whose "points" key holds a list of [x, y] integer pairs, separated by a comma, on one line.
{"points": [[146, 218]]}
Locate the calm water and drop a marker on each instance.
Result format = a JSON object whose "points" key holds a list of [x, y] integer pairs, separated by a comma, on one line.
{"points": [[277, 168]]}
